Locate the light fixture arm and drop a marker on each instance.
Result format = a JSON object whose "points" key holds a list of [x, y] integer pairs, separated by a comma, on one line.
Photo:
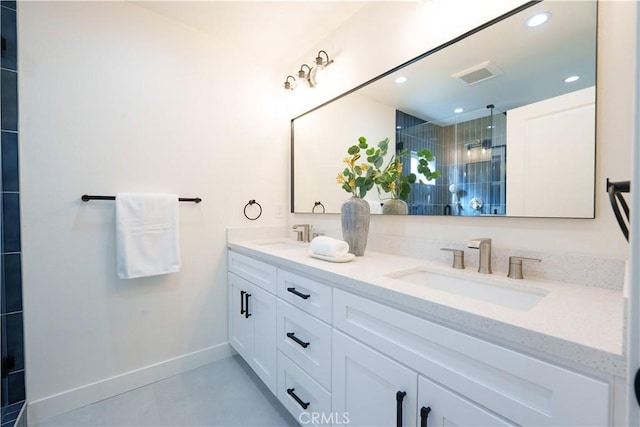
{"points": [[290, 85], [302, 74], [320, 61]]}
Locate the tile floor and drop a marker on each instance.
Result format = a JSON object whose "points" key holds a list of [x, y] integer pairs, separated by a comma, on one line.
{"points": [[223, 393]]}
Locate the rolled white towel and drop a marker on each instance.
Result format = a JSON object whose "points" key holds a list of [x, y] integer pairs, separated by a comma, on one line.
{"points": [[328, 246]]}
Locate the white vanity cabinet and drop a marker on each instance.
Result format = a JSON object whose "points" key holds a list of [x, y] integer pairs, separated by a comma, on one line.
{"points": [[475, 377], [344, 359], [252, 314]]}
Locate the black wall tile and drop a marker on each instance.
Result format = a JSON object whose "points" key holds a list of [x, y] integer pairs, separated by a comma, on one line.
{"points": [[9, 54], [10, 174], [11, 283], [10, 222], [10, 413], [13, 341], [9, 100], [13, 386], [15, 392]]}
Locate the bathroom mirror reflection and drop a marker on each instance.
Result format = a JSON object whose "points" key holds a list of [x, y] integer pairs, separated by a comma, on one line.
{"points": [[523, 145]]}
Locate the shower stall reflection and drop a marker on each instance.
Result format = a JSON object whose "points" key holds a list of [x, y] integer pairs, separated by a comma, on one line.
{"points": [[470, 152]]}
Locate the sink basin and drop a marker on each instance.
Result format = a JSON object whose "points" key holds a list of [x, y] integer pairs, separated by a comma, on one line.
{"points": [[516, 296], [282, 245]]}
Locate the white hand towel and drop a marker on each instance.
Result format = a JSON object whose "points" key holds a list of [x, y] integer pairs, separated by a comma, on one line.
{"points": [[327, 246], [146, 234]]}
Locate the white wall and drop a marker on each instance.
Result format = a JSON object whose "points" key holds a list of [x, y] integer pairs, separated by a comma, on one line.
{"points": [[403, 31], [116, 98]]}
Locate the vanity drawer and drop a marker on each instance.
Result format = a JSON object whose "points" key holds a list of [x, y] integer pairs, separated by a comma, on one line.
{"points": [[294, 383], [308, 295], [257, 272], [305, 340], [520, 388]]}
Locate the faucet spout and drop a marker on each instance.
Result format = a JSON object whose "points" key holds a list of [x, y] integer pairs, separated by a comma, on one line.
{"points": [[304, 235], [484, 245]]}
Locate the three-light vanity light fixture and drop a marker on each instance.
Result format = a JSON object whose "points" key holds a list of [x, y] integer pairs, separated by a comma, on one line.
{"points": [[308, 75]]}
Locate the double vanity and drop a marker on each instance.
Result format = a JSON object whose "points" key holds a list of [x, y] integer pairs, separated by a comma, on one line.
{"points": [[388, 340]]}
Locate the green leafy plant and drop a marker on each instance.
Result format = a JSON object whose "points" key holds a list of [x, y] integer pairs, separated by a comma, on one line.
{"points": [[356, 179], [391, 180]]}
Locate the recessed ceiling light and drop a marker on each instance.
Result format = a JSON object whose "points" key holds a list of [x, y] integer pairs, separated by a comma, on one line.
{"points": [[458, 110], [571, 79], [538, 19], [401, 79]]}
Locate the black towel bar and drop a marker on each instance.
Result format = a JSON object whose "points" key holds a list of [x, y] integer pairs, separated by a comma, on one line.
{"points": [[86, 198], [615, 190]]}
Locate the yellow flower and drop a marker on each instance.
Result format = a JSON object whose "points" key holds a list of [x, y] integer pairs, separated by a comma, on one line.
{"points": [[340, 178], [392, 186], [352, 183], [399, 168], [364, 167], [347, 160]]}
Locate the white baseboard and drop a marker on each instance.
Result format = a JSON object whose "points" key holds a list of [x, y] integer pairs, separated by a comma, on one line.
{"points": [[69, 400]]}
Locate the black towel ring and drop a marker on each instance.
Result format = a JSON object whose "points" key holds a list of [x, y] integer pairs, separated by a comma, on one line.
{"points": [[252, 202], [315, 205]]}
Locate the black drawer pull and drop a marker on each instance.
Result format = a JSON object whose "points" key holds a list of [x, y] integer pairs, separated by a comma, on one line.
{"points": [[290, 392], [242, 310], [296, 293], [399, 398], [246, 305], [298, 341], [424, 414]]}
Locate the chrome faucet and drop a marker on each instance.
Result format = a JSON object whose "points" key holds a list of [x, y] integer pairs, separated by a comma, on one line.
{"points": [[484, 245], [304, 235]]}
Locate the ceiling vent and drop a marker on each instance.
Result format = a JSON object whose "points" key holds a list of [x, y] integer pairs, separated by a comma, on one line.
{"points": [[478, 73]]}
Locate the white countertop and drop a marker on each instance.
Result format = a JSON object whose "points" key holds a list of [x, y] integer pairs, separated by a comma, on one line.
{"points": [[580, 324]]}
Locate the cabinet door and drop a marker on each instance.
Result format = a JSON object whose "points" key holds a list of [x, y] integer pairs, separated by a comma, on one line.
{"points": [[366, 386], [446, 408], [240, 326], [261, 307]]}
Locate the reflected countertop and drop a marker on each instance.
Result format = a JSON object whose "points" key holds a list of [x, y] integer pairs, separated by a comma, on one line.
{"points": [[572, 323]]}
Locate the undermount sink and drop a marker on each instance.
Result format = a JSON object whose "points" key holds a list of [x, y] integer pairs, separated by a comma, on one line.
{"points": [[517, 296], [282, 244]]}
